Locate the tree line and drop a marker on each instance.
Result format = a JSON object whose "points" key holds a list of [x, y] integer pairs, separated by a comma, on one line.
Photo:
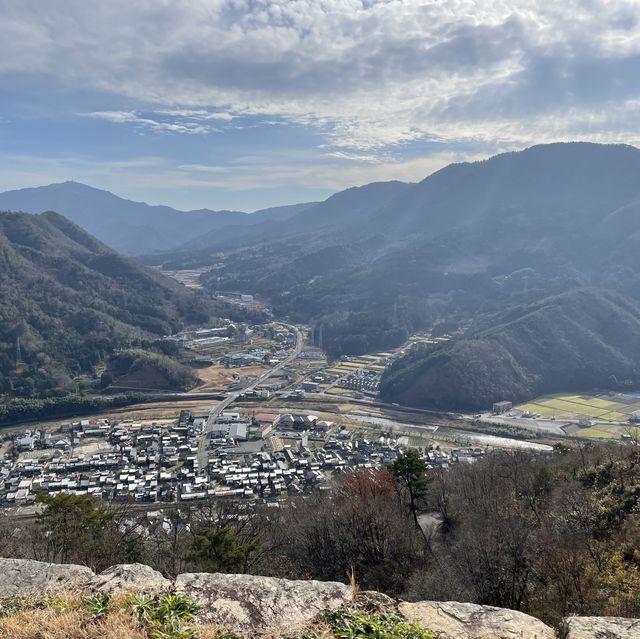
{"points": [[551, 535]]}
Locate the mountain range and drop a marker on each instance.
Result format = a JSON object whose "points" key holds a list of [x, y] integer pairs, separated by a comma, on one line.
{"points": [[131, 227], [472, 243], [581, 339]]}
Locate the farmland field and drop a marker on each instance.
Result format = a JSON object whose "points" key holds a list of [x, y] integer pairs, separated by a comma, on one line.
{"points": [[613, 407], [608, 413]]}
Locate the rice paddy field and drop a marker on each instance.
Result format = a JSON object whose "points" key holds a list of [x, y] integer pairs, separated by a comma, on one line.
{"points": [[608, 413]]}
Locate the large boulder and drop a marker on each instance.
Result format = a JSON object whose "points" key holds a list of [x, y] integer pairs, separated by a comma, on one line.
{"points": [[602, 628], [21, 577], [250, 603], [451, 620], [129, 578]]}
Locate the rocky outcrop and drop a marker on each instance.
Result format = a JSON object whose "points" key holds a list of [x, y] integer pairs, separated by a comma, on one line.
{"points": [[602, 628], [455, 620], [22, 577], [250, 604], [240, 602], [129, 578]]}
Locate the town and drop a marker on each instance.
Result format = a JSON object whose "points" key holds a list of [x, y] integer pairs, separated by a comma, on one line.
{"points": [[258, 456], [273, 431]]}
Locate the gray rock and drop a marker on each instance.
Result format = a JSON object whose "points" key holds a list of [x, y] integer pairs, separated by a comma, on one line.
{"points": [[453, 620], [602, 628], [21, 577], [249, 603], [129, 578]]}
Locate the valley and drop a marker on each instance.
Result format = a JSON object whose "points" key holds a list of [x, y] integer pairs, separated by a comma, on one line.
{"points": [[371, 332], [319, 319]]}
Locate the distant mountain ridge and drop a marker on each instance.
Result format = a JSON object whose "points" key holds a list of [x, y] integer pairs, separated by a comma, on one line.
{"points": [[131, 227], [471, 242], [466, 245]]}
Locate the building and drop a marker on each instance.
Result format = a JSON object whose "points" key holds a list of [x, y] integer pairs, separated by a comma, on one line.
{"points": [[237, 360], [502, 407], [237, 431]]}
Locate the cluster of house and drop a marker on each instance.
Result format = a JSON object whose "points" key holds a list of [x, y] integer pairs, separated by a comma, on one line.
{"points": [[283, 340], [294, 470], [256, 456], [126, 462], [362, 380]]}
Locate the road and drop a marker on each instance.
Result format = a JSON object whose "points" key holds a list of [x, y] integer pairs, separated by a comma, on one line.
{"points": [[216, 409]]}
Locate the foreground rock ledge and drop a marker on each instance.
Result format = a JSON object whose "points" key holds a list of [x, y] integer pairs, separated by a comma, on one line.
{"points": [[602, 628], [250, 604], [470, 621], [240, 602], [21, 577]]}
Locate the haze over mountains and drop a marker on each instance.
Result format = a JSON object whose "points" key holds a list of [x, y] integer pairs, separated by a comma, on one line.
{"points": [[472, 244], [130, 227]]}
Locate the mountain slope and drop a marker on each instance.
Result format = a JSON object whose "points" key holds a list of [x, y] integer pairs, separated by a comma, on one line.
{"points": [[312, 223], [71, 301], [130, 227], [547, 182], [576, 341], [473, 238]]}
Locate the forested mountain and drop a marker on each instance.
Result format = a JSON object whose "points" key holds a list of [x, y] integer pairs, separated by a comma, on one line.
{"points": [[127, 226], [579, 340], [372, 264], [321, 223], [70, 301], [471, 241]]}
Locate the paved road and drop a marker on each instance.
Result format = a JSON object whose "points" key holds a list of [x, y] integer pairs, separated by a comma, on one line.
{"points": [[216, 409]]}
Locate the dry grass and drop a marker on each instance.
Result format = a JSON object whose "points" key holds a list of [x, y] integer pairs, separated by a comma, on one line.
{"points": [[319, 630], [73, 624], [72, 616]]}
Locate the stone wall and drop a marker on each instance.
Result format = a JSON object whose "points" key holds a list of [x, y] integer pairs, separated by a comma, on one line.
{"points": [[248, 603]]}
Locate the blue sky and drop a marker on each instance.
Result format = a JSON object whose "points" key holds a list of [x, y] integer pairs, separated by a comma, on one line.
{"points": [[244, 104]]}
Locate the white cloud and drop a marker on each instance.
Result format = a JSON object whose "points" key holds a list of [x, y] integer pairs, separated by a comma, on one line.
{"points": [[198, 114], [268, 175], [367, 74], [131, 117]]}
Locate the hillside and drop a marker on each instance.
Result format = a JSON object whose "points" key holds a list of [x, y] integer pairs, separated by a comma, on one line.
{"points": [[576, 341], [578, 503], [471, 239], [307, 226], [71, 301]]}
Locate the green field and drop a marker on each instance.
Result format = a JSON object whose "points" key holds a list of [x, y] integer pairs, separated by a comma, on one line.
{"points": [[609, 407], [609, 413]]}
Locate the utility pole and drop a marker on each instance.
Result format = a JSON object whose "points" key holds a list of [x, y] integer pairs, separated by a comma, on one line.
{"points": [[19, 361]]}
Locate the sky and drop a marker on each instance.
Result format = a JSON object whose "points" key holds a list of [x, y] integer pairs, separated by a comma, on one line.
{"points": [[245, 104]]}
